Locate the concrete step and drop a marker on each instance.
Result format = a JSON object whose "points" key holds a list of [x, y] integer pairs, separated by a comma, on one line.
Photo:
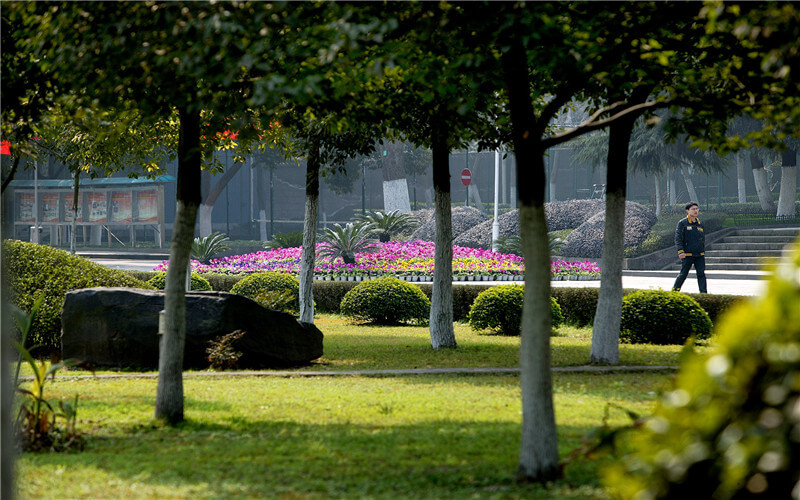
{"points": [[714, 260], [774, 231], [764, 238], [717, 252], [755, 266], [761, 247]]}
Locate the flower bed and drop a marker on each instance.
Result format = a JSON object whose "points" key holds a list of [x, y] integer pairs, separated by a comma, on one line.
{"points": [[411, 260]]}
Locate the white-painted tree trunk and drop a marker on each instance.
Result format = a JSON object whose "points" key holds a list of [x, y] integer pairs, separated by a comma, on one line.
{"points": [[687, 178], [441, 316], [539, 447], [788, 192], [673, 188], [169, 395], [204, 219], [659, 197], [762, 184], [741, 186], [308, 255], [262, 225], [605, 332]]}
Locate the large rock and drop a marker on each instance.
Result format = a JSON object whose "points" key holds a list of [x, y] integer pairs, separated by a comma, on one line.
{"points": [[118, 327]]}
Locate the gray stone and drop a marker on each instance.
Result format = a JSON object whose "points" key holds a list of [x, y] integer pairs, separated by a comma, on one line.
{"points": [[118, 327]]}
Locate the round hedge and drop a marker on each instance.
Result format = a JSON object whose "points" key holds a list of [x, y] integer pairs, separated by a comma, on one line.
{"points": [[661, 317], [499, 308], [728, 428], [386, 301], [39, 270], [256, 285], [159, 281]]}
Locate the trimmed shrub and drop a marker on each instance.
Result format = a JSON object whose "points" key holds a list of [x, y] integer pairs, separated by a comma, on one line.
{"points": [[463, 218], [500, 309], [386, 301], [38, 270], [661, 317], [587, 239], [729, 426], [159, 282], [222, 282], [259, 283]]}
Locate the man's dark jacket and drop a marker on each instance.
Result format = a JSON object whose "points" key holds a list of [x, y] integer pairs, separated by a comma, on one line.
{"points": [[690, 238]]}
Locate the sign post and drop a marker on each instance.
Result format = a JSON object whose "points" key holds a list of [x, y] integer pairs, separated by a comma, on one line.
{"points": [[466, 179]]}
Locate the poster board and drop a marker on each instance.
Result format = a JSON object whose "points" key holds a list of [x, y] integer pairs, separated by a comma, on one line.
{"points": [[50, 207], [26, 201], [98, 208], [148, 206], [121, 206], [68, 211]]}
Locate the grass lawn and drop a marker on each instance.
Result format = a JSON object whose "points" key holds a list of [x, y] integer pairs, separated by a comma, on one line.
{"points": [[319, 437], [423, 436]]}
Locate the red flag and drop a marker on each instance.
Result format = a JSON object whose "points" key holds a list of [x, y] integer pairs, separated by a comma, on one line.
{"points": [[5, 148]]}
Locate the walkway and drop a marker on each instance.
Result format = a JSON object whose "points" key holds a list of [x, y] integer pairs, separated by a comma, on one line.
{"points": [[719, 281]]}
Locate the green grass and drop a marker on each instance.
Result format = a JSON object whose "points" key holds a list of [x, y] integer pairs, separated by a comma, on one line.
{"points": [[424, 436], [350, 346]]}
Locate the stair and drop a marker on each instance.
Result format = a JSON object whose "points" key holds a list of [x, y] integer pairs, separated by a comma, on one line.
{"points": [[747, 249]]}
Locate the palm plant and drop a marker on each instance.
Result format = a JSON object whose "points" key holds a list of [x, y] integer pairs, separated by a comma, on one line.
{"points": [[388, 223], [205, 248], [346, 241]]}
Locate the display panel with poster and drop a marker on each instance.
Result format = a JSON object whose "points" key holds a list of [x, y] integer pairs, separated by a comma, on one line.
{"points": [[148, 206], [50, 207], [98, 210], [68, 211], [121, 209], [26, 207]]}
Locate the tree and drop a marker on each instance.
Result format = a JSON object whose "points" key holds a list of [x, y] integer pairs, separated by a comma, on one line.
{"points": [[433, 98], [98, 52]]}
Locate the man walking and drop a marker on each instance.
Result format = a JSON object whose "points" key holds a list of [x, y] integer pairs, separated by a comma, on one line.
{"points": [[690, 240]]}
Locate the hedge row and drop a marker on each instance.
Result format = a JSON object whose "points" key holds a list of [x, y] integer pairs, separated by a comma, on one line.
{"points": [[577, 304]]}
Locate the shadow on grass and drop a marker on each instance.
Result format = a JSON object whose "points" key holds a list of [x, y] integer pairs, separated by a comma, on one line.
{"points": [[262, 459]]}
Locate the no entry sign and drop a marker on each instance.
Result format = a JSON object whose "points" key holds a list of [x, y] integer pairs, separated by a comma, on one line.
{"points": [[466, 177]]}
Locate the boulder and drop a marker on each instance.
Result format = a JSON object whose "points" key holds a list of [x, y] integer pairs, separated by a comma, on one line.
{"points": [[118, 327]]}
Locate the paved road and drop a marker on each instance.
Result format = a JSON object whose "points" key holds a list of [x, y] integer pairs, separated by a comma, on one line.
{"points": [[719, 281]]}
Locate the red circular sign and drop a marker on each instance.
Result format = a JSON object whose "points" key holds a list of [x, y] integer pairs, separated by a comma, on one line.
{"points": [[466, 177]]}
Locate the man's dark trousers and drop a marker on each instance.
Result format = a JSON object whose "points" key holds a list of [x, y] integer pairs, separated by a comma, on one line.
{"points": [[699, 263]]}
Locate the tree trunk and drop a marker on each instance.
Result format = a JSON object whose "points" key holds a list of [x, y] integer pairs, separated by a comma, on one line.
{"points": [[762, 185], [309, 236], [75, 197], [11, 173], [169, 395], [659, 196], [538, 459], [395, 185], [8, 485], [261, 192], [687, 178], [554, 175], [207, 207], [605, 332], [788, 193], [441, 318], [741, 186], [673, 189]]}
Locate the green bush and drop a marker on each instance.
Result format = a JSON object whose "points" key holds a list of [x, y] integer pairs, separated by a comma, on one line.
{"points": [[500, 309], [38, 270], [386, 301], [660, 317], [729, 426], [257, 284], [223, 282], [159, 281]]}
